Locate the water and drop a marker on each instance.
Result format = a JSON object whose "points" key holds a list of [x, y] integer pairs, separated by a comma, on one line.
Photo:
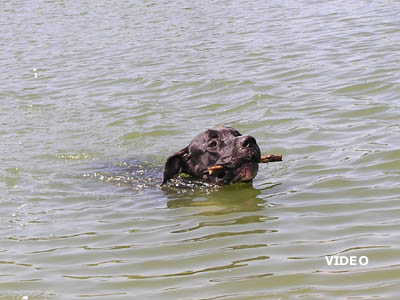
{"points": [[89, 88]]}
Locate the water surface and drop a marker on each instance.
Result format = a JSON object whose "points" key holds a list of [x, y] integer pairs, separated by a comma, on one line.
{"points": [[92, 89]]}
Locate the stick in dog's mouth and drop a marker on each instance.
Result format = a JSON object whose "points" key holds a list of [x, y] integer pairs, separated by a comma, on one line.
{"points": [[270, 158], [214, 168], [264, 160]]}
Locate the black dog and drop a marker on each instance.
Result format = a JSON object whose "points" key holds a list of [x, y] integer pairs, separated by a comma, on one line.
{"points": [[221, 156]]}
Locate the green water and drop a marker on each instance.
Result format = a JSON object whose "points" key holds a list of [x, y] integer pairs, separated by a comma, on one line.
{"points": [[88, 87]]}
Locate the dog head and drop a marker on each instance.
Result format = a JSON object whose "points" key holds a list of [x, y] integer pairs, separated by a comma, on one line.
{"points": [[220, 155]]}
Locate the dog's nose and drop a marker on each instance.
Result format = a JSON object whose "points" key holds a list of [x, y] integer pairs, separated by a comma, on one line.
{"points": [[248, 142]]}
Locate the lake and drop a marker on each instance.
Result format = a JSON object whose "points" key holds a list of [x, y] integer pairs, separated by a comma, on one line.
{"points": [[95, 95]]}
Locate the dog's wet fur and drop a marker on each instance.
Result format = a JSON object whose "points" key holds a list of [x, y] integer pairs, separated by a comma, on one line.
{"points": [[238, 157]]}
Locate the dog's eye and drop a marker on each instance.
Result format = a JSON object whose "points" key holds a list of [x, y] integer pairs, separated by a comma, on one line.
{"points": [[212, 144]]}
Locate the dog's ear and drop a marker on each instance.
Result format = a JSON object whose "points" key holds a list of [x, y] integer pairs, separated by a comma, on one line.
{"points": [[174, 164]]}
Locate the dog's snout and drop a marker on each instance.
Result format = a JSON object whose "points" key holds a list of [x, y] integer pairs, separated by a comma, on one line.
{"points": [[248, 142]]}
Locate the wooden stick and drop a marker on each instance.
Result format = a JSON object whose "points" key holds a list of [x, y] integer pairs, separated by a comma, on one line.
{"points": [[264, 160], [270, 158], [214, 168]]}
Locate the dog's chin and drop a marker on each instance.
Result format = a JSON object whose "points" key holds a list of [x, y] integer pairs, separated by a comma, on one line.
{"points": [[246, 172]]}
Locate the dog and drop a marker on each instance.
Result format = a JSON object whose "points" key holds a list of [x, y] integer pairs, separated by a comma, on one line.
{"points": [[221, 156]]}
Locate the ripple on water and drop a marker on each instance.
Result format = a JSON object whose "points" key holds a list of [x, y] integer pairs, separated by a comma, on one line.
{"points": [[368, 88]]}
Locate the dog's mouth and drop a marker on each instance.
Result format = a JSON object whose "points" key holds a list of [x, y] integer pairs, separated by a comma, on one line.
{"points": [[227, 174], [244, 172]]}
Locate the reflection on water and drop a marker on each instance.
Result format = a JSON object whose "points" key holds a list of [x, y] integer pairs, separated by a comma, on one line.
{"points": [[222, 200]]}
